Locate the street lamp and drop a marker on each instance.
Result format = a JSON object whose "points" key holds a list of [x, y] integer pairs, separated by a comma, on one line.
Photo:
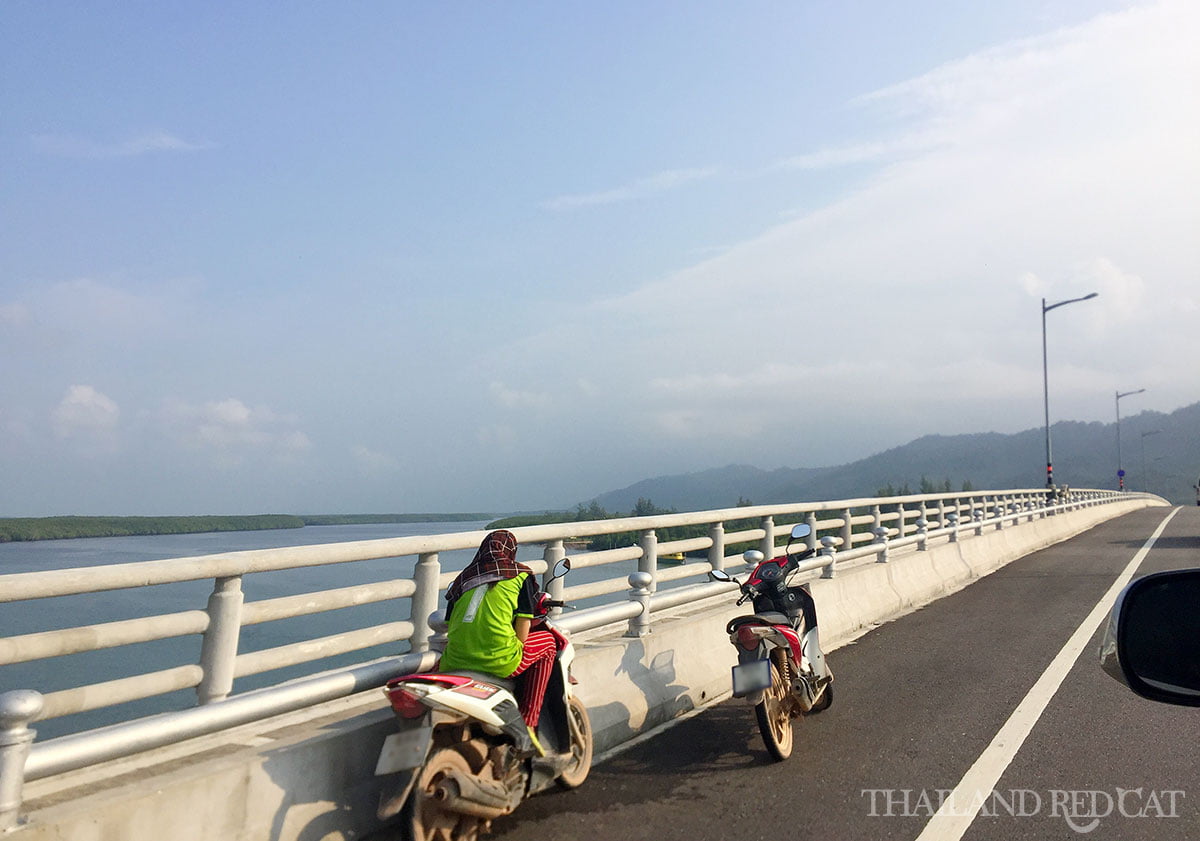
{"points": [[1145, 476], [1120, 472], [1046, 381]]}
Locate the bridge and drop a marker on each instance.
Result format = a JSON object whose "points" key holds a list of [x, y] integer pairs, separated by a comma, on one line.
{"points": [[919, 702]]}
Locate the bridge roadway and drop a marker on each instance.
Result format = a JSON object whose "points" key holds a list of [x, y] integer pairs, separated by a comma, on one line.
{"points": [[917, 701]]}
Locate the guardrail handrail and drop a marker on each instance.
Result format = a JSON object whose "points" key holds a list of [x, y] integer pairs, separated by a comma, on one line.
{"points": [[845, 531]]}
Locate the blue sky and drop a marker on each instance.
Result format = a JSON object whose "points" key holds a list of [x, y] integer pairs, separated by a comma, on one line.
{"points": [[401, 257]]}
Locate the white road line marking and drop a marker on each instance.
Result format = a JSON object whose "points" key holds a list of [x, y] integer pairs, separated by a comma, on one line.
{"points": [[959, 809]]}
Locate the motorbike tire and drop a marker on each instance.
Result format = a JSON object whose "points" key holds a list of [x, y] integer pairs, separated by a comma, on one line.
{"points": [[775, 717], [581, 748], [423, 818]]}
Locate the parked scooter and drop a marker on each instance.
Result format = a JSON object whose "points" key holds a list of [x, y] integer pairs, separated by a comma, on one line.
{"points": [[781, 669], [463, 756]]}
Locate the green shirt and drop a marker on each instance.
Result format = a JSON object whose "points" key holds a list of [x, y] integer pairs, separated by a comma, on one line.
{"points": [[481, 637]]}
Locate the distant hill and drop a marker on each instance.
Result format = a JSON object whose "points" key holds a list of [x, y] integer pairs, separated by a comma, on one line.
{"points": [[1085, 456]]}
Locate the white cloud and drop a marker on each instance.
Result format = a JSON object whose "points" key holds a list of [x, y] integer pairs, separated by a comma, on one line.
{"points": [[642, 188], [512, 398], [1052, 167], [233, 430], [372, 462], [84, 310], [144, 144], [13, 315], [496, 437], [87, 417]]}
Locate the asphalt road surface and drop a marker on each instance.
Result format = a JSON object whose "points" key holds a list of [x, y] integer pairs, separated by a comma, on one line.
{"points": [[918, 702]]}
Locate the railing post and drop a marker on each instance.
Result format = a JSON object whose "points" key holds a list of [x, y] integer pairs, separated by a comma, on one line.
{"points": [[878, 515], [640, 584], [953, 518], [18, 709], [767, 547], [941, 513], [881, 538], [810, 542], [978, 516], [716, 552], [847, 543], [998, 512], [552, 554], [648, 563], [439, 631], [218, 651], [900, 525], [424, 600], [829, 551], [922, 533]]}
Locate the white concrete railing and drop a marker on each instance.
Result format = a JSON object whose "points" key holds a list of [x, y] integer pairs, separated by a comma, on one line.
{"points": [[847, 530]]}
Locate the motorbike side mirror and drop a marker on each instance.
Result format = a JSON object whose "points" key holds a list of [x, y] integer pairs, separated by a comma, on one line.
{"points": [[561, 568], [801, 530], [1152, 643], [720, 575], [753, 556]]}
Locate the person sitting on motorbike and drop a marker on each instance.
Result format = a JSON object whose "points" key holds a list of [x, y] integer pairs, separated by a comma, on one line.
{"points": [[490, 606]]}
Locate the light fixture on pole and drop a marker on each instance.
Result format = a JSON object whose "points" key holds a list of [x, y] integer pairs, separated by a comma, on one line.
{"points": [[1046, 381], [1145, 480], [1120, 471]]}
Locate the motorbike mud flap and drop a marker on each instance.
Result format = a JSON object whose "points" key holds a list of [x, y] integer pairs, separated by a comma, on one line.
{"points": [[754, 676], [404, 750], [394, 793]]}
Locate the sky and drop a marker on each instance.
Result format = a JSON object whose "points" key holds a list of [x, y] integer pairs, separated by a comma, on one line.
{"points": [[411, 257]]}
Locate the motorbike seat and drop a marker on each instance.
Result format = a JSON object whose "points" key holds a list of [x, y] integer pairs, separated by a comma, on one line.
{"points": [[764, 618], [506, 683]]}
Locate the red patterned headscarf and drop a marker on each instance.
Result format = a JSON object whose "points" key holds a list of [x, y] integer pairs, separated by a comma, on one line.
{"points": [[496, 560]]}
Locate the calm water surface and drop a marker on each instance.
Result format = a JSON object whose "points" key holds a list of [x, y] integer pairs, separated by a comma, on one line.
{"points": [[70, 611]]}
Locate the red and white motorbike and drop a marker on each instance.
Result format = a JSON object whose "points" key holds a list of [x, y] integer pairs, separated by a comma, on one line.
{"points": [[781, 669], [463, 756]]}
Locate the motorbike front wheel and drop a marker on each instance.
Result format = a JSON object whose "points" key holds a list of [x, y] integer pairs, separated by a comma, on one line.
{"points": [[581, 746], [423, 818], [775, 718]]}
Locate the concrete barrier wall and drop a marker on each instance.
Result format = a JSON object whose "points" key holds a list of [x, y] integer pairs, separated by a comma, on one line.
{"points": [[309, 775]]}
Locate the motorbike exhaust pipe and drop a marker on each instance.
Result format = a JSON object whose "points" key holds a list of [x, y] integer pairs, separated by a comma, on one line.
{"points": [[469, 795]]}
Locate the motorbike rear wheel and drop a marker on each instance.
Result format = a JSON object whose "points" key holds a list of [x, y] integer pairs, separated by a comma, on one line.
{"points": [[581, 746], [423, 817], [775, 717]]}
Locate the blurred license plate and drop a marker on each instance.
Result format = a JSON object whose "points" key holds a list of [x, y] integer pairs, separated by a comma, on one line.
{"points": [[751, 677]]}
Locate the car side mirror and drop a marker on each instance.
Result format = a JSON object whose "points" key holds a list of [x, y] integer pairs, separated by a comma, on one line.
{"points": [[1152, 643]]}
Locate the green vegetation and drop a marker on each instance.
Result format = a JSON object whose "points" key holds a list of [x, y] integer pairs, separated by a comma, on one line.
{"points": [[58, 528], [927, 486], [361, 519]]}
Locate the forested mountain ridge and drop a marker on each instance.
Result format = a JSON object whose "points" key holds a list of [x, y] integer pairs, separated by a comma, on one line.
{"points": [[1159, 452]]}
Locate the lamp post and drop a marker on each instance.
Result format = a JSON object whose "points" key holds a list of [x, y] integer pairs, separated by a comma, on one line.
{"points": [[1120, 472], [1145, 476], [1046, 381]]}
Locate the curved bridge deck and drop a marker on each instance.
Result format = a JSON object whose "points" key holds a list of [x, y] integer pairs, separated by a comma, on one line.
{"points": [[918, 701]]}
